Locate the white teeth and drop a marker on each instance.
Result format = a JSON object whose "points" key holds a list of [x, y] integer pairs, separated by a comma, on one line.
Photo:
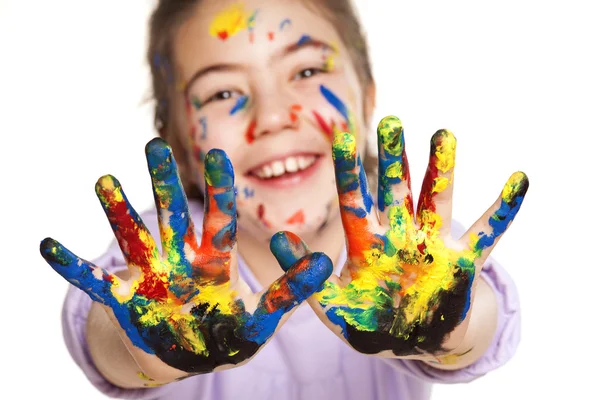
{"points": [[278, 168], [291, 165]]}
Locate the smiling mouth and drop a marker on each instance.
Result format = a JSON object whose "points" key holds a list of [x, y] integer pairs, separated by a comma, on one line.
{"points": [[284, 167]]}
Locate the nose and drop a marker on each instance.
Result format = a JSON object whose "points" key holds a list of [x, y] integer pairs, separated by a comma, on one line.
{"points": [[274, 112]]}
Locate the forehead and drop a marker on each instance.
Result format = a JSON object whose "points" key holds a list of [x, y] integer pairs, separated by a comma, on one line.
{"points": [[234, 31]]}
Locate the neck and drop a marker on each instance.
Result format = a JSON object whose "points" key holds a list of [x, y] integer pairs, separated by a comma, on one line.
{"points": [[264, 266]]}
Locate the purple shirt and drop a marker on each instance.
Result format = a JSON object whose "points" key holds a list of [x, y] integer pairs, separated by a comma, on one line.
{"points": [[304, 359]]}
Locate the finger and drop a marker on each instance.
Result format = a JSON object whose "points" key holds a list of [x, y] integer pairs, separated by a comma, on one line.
{"points": [[219, 234], [96, 282], [356, 203], [434, 212], [288, 249], [394, 175], [484, 234], [135, 241], [304, 278], [176, 226]]}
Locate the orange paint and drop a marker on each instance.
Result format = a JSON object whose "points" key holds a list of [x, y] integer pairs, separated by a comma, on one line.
{"points": [[297, 218]]}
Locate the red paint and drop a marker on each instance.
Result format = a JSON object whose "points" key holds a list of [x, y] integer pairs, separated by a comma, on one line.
{"points": [[251, 36], [293, 117], [297, 218], [261, 215], [250, 132], [326, 129], [296, 107], [271, 35], [421, 247], [344, 127], [223, 35]]}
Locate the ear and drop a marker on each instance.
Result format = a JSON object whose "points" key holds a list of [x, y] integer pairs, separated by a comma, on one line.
{"points": [[369, 102]]}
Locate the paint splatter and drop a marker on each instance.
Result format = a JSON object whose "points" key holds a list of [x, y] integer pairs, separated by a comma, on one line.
{"points": [[196, 103], [182, 307], [229, 22], [295, 109], [297, 218], [261, 215], [303, 39], [252, 25], [248, 193], [204, 130], [285, 23], [271, 35], [331, 129], [240, 104], [408, 291], [250, 132]]}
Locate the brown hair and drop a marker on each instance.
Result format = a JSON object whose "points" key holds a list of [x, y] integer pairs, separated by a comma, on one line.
{"points": [[168, 17]]}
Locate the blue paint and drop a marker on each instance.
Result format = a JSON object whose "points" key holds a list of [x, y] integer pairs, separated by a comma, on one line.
{"points": [[239, 104], [284, 23], [248, 193], [336, 102], [203, 125], [364, 187], [303, 39]]}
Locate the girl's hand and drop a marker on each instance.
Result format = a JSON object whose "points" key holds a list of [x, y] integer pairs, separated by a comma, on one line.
{"points": [[407, 286], [185, 304]]}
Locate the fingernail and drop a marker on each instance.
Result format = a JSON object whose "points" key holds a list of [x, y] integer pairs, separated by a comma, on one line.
{"points": [[218, 170]]}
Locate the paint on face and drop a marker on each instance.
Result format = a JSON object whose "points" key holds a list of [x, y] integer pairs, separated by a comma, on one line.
{"points": [[250, 132], [408, 291], [181, 307], [204, 131], [240, 104], [271, 35], [230, 21], [297, 218], [303, 39], [285, 23], [295, 109], [248, 193], [196, 103], [162, 64], [261, 215], [332, 128]]}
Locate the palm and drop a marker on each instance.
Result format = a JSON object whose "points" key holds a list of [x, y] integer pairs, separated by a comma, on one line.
{"points": [[186, 304], [407, 284]]}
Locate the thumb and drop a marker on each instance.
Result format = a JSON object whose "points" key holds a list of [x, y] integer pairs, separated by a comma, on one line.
{"points": [[287, 249]]}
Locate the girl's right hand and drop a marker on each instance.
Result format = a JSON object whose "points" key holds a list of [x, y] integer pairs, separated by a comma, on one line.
{"points": [[185, 304]]}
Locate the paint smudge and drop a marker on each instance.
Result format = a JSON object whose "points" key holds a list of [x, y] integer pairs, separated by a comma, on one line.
{"points": [[248, 193], [408, 291], [303, 39], [261, 215], [285, 23], [331, 129], [297, 218], [252, 25], [250, 132], [182, 307], [196, 103], [295, 109], [271, 35], [204, 130], [240, 104], [229, 22]]}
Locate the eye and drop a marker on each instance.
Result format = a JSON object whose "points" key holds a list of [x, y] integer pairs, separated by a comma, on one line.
{"points": [[222, 95], [308, 73]]}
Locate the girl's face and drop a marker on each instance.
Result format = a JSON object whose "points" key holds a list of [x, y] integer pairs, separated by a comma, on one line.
{"points": [[268, 82]]}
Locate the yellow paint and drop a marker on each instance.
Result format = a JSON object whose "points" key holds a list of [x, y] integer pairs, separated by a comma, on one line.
{"points": [[230, 21]]}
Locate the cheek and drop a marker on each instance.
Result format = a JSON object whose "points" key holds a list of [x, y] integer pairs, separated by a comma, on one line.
{"points": [[206, 132]]}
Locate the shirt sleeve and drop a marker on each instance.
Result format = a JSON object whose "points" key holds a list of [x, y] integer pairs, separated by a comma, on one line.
{"points": [[74, 321]]}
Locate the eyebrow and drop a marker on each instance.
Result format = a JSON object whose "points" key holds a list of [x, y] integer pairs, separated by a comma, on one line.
{"points": [[304, 42]]}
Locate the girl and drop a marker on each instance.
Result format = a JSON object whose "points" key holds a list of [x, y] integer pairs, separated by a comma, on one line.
{"points": [[274, 90]]}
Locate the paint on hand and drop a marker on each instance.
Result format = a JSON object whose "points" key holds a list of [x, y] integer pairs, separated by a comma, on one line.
{"points": [[181, 306], [408, 290]]}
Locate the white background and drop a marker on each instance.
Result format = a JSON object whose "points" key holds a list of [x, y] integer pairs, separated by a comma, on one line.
{"points": [[516, 81]]}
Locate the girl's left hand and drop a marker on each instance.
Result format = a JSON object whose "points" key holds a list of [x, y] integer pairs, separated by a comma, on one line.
{"points": [[407, 287]]}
